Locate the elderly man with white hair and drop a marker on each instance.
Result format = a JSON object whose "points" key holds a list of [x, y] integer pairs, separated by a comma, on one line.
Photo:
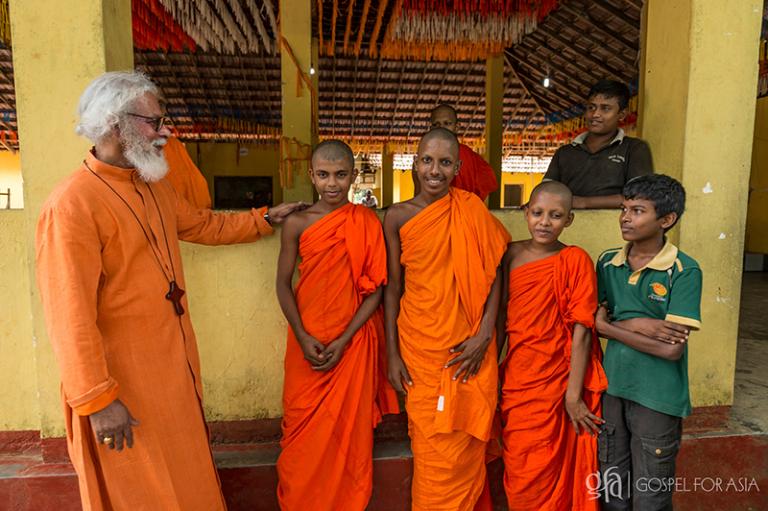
{"points": [[112, 286]]}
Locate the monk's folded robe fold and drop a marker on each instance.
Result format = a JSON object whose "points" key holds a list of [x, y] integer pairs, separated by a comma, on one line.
{"points": [[547, 465], [328, 418], [450, 252]]}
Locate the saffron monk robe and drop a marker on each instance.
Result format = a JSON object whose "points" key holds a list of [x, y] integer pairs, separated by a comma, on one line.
{"points": [[441, 300], [335, 389], [552, 377], [184, 175]]}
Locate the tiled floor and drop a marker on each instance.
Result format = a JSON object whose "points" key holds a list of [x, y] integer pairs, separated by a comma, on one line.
{"points": [[750, 402]]}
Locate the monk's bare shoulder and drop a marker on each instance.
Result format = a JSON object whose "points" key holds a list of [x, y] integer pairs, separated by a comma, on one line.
{"points": [[516, 253], [398, 214], [296, 223]]}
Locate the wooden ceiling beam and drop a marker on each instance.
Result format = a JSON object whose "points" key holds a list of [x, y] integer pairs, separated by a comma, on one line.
{"points": [[513, 115], [569, 102], [570, 47], [516, 75], [468, 125], [333, 111], [597, 25], [616, 13], [417, 103], [354, 91], [442, 84], [375, 94], [397, 100], [556, 55]]}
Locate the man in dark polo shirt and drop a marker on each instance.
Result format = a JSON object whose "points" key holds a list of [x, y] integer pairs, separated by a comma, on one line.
{"points": [[598, 162]]}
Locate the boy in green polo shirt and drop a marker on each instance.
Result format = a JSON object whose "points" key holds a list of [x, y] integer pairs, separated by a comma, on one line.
{"points": [[651, 293]]}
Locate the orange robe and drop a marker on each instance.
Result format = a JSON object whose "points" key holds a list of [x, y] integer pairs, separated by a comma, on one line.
{"points": [[450, 251], [116, 336], [184, 175], [328, 417], [475, 175], [546, 463]]}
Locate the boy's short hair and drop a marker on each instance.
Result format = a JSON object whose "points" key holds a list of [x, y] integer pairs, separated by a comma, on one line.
{"points": [[334, 150], [666, 193], [611, 89]]}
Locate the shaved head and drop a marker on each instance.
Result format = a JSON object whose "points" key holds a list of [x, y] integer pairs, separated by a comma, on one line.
{"points": [[443, 108], [553, 188], [334, 150], [441, 134]]}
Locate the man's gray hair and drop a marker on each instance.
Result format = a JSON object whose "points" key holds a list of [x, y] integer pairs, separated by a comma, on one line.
{"points": [[107, 98]]}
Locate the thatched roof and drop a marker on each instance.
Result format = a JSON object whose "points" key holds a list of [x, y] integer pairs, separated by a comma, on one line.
{"points": [[370, 98]]}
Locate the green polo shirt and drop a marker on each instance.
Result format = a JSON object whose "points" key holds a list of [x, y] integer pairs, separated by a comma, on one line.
{"points": [[668, 287]]}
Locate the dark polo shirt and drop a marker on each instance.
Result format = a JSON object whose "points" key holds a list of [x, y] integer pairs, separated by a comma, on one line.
{"points": [[601, 173]]}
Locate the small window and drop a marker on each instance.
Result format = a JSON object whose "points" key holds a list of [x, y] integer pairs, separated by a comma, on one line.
{"points": [[242, 192], [513, 196]]}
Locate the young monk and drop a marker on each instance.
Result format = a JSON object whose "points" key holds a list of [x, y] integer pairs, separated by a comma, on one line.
{"points": [[552, 377], [441, 301], [335, 389]]}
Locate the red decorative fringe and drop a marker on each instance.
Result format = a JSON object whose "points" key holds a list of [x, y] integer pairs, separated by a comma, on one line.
{"points": [[155, 29], [484, 7]]}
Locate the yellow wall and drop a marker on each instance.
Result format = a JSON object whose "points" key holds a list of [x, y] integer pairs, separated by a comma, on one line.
{"points": [[239, 326], [664, 82], [402, 184], [223, 159], [529, 180], [18, 381], [698, 87], [97, 33], [10, 177], [757, 211]]}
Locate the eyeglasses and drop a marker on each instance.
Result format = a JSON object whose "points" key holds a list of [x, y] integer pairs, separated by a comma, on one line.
{"points": [[157, 123]]}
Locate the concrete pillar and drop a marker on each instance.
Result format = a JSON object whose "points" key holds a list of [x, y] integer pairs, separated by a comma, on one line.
{"points": [[699, 91], [387, 175], [297, 110], [494, 120], [56, 53]]}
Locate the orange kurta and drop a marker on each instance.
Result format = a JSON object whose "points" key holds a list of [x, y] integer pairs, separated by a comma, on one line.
{"points": [[475, 175], [546, 463], [328, 417], [450, 252], [184, 175], [115, 335]]}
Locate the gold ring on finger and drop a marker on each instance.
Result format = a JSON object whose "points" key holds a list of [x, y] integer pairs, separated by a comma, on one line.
{"points": [[107, 440]]}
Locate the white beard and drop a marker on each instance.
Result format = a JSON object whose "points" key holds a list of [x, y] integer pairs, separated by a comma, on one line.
{"points": [[150, 165]]}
